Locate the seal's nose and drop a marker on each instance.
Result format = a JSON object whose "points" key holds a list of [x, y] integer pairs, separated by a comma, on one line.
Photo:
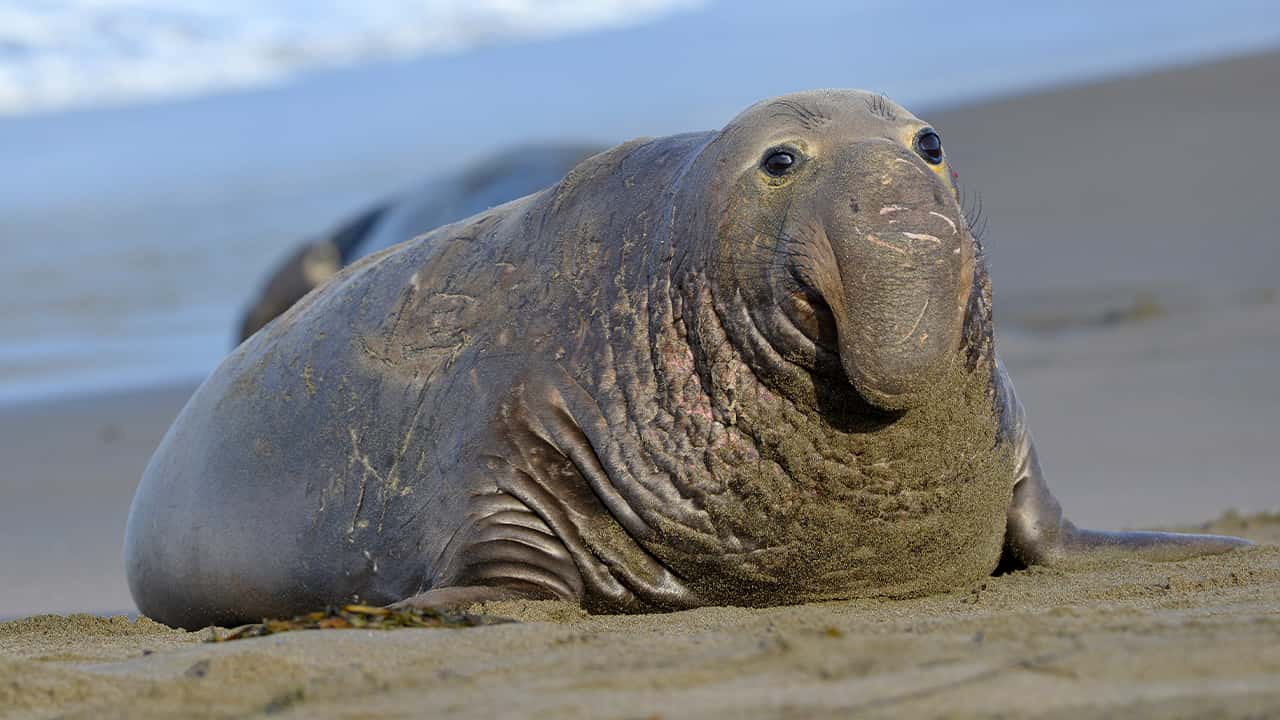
{"points": [[906, 267]]}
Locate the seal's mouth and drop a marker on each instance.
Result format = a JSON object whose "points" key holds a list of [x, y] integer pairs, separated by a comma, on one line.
{"points": [[808, 321], [811, 317]]}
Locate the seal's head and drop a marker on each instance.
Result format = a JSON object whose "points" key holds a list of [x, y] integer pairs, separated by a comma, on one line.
{"points": [[833, 215]]}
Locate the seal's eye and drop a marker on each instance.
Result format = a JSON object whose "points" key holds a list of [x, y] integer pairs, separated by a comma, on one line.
{"points": [[929, 145], [779, 163]]}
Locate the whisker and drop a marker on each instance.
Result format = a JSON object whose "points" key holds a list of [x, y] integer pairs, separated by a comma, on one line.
{"points": [[971, 209]]}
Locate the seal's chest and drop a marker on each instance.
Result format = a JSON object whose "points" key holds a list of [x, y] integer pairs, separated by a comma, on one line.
{"points": [[878, 540], [803, 511]]}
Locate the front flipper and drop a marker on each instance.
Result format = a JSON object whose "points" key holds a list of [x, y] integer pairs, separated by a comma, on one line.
{"points": [[1037, 532]]}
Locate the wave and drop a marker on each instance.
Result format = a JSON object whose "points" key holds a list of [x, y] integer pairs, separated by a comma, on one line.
{"points": [[81, 53]]}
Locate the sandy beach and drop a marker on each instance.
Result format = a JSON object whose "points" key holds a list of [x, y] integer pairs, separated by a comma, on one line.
{"points": [[1133, 241], [1133, 639]]}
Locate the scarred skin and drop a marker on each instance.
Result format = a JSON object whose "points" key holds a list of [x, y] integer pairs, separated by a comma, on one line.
{"points": [[674, 379]]}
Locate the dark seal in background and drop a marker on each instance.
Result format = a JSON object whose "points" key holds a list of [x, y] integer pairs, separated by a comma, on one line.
{"points": [[503, 177]]}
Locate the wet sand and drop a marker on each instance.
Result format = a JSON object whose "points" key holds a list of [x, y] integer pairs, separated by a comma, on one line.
{"points": [[1134, 240], [69, 469]]}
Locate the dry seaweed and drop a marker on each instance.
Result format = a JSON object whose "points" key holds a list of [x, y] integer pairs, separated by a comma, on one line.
{"points": [[360, 617]]}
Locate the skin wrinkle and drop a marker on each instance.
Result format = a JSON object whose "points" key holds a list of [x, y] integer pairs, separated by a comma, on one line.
{"points": [[785, 247], [642, 384], [689, 367], [687, 453], [624, 565], [621, 499], [615, 550], [566, 531], [626, 352]]}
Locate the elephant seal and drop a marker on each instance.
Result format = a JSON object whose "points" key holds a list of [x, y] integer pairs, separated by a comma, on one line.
{"points": [[753, 366], [502, 177]]}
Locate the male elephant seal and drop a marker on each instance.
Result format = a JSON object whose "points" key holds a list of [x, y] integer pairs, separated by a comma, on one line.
{"points": [[750, 367], [505, 176]]}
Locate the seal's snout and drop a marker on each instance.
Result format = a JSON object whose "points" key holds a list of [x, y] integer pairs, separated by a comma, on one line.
{"points": [[905, 265]]}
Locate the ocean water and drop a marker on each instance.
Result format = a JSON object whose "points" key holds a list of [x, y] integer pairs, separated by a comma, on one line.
{"points": [[153, 180], [80, 53]]}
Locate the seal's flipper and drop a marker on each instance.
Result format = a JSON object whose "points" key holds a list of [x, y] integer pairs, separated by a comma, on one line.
{"points": [[1038, 533], [1158, 546]]}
